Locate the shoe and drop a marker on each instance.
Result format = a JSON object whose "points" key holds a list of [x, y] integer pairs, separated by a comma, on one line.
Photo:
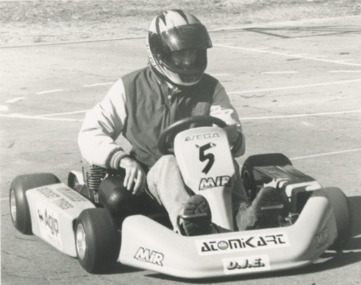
{"points": [[197, 216], [266, 211]]}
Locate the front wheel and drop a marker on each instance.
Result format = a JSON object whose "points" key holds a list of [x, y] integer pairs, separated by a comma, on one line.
{"points": [[97, 240], [19, 208]]}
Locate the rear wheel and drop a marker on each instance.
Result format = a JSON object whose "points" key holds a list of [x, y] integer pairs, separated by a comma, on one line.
{"points": [[247, 173], [19, 208], [341, 208], [97, 240]]}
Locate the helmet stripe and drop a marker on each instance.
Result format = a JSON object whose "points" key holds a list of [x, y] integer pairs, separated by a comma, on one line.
{"points": [[181, 13]]}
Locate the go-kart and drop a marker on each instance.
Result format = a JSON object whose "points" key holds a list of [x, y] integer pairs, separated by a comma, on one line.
{"points": [[77, 225]]}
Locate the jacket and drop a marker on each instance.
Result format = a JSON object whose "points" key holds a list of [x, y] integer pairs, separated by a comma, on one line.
{"points": [[140, 107]]}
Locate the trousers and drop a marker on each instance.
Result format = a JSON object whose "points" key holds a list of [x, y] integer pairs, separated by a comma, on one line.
{"points": [[166, 185]]}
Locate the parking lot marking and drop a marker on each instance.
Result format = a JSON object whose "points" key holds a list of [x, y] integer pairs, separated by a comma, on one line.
{"points": [[14, 100], [62, 114], [296, 86], [280, 72], [49, 91], [48, 116], [219, 74], [326, 154], [97, 84], [299, 115], [300, 56], [20, 116], [345, 71], [4, 108]]}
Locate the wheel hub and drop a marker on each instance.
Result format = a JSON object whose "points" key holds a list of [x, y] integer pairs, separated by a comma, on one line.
{"points": [[13, 205], [80, 241]]}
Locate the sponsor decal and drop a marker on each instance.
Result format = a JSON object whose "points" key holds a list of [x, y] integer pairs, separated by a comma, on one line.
{"points": [[49, 221], [150, 256], [202, 136], [245, 264], [49, 225], [71, 194], [63, 204], [48, 193], [242, 243], [212, 182], [322, 238]]}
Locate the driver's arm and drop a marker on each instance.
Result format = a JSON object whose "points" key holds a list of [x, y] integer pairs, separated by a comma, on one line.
{"points": [[101, 127], [222, 108]]}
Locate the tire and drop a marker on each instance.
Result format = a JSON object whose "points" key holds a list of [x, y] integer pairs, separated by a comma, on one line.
{"points": [[259, 160], [341, 208], [18, 204], [97, 240]]}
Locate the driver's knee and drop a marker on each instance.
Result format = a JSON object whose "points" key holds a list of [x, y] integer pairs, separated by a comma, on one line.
{"points": [[116, 198], [167, 161], [165, 166]]}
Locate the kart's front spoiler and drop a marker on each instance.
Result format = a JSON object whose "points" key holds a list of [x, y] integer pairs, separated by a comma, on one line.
{"points": [[149, 245]]}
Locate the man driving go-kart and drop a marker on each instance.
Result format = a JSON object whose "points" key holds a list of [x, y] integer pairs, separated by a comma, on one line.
{"points": [[140, 106]]}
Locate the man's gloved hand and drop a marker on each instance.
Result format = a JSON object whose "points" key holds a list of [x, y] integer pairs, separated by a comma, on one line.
{"points": [[135, 177], [236, 140], [232, 134]]}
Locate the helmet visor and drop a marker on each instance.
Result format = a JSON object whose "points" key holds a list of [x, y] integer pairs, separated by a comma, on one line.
{"points": [[186, 37]]}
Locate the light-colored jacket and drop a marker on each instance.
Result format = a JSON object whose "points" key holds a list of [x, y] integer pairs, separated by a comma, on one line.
{"points": [[140, 108]]}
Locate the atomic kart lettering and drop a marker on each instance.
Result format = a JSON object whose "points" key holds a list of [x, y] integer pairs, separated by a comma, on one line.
{"points": [[243, 243]]}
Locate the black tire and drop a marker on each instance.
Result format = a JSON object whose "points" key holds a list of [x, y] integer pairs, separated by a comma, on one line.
{"points": [[19, 208], [97, 240], [341, 208], [267, 159]]}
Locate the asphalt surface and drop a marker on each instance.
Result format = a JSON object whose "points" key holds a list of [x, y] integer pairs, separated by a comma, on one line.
{"points": [[295, 86]]}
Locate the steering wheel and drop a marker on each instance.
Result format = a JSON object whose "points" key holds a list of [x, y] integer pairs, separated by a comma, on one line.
{"points": [[166, 138]]}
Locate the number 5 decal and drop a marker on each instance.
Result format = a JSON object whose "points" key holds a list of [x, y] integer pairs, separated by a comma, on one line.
{"points": [[209, 156]]}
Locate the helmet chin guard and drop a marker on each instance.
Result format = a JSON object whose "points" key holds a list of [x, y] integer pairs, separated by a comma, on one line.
{"points": [[172, 31]]}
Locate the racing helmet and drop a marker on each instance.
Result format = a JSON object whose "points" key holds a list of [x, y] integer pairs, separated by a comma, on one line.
{"points": [[172, 31]]}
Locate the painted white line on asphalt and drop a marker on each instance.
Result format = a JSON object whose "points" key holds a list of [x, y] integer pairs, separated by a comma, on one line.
{"points": [[300, 56], [4, 108], [344, 71], [61, 114], [14, 100], [296, 86], [20, 116], [326, 154], [48, 116], [279, 72], [98, 84], [49, 91], [299, 115], [219, 74]]}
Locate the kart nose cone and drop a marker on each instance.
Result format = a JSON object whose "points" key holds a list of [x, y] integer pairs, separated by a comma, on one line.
{"points": [[13, 205], [80, 241]]}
